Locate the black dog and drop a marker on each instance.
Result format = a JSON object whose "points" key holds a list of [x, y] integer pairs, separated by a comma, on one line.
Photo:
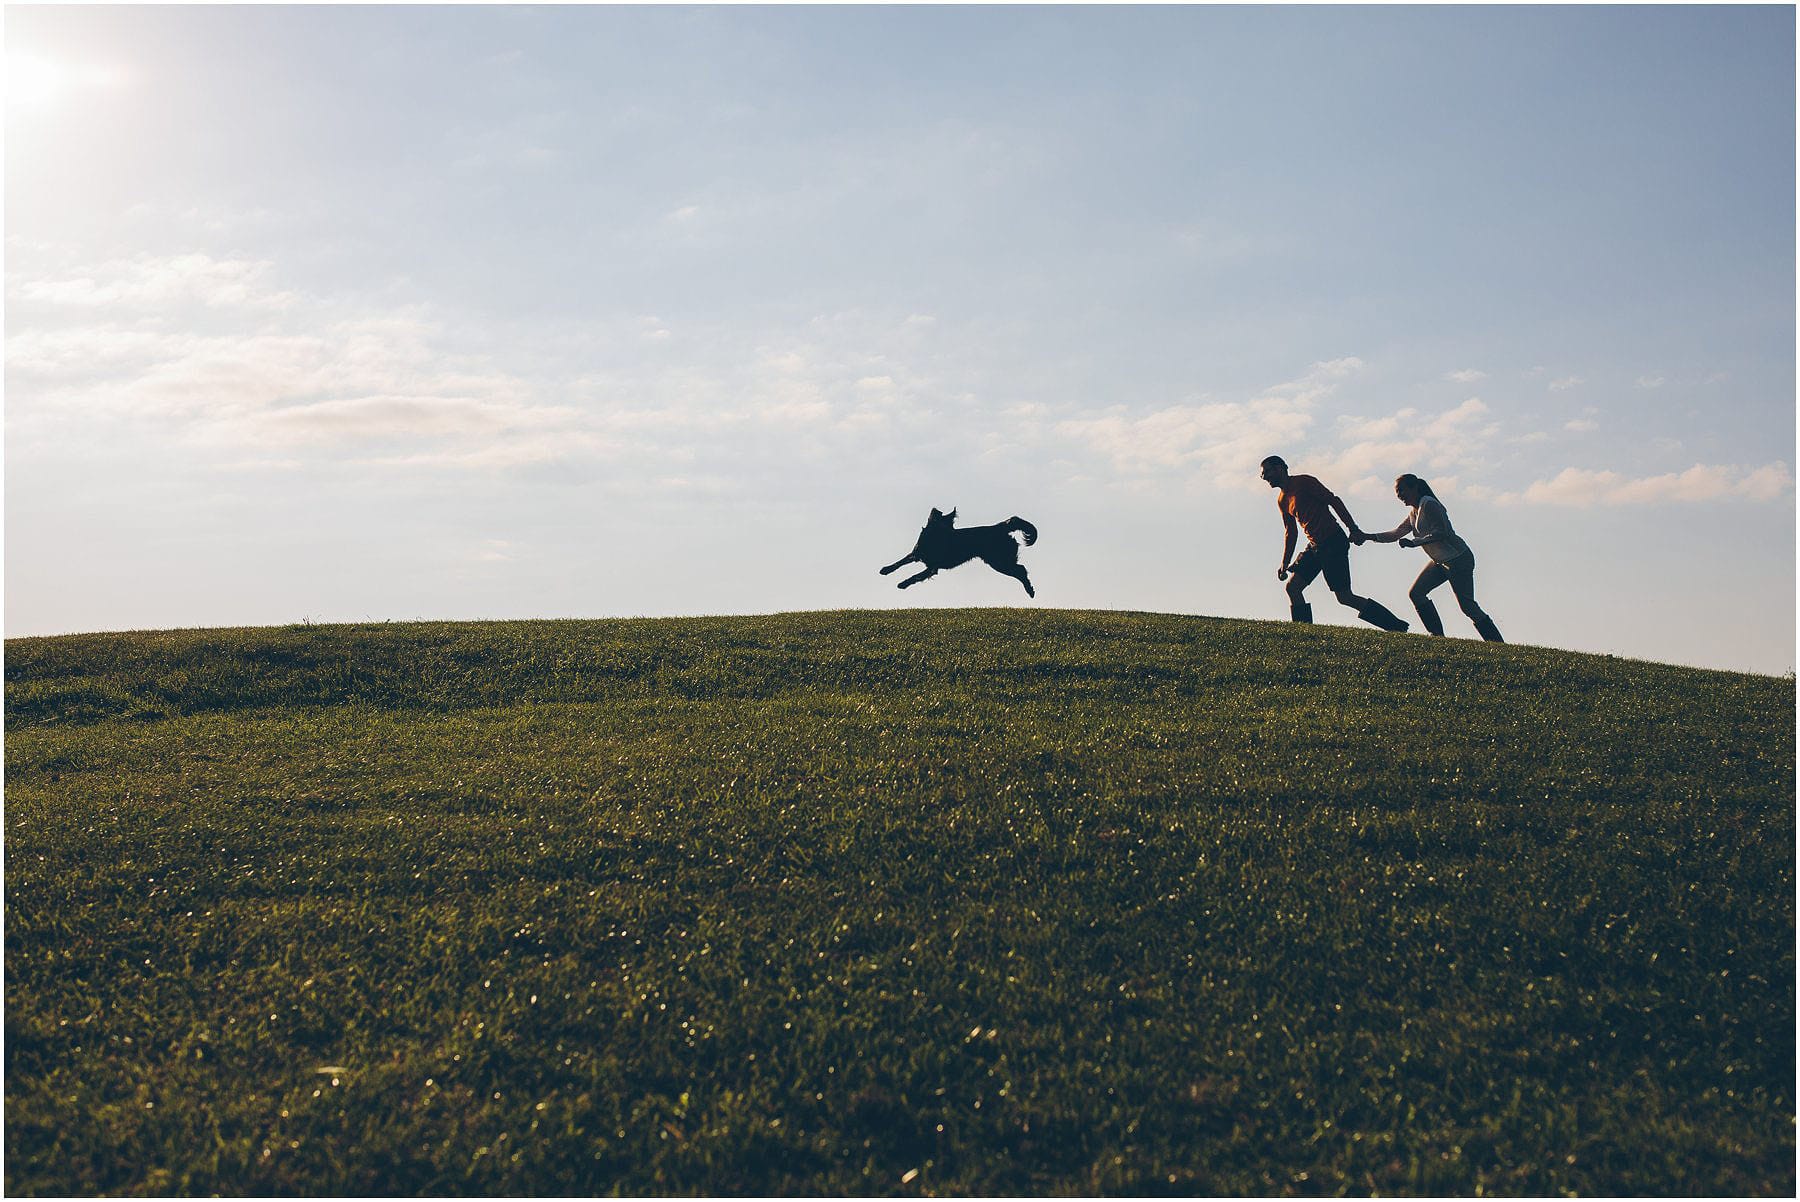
{"points": [[941, 545]]}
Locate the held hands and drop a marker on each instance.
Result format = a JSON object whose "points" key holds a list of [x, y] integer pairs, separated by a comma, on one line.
{"points": [[1357, 537]]}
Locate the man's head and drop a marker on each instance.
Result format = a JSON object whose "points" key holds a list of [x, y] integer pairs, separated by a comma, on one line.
{"points": [[1274, 470]]}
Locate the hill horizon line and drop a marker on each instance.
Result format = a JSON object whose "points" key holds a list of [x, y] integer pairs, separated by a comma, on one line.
{"points": [[370, 623]]}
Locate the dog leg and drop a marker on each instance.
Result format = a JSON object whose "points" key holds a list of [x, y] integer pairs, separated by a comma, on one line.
{"points": [[1017, 572], [927, 574], [898, 564]]}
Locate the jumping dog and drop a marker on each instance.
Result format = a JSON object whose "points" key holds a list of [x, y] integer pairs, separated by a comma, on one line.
{"points": [[941, 545]]}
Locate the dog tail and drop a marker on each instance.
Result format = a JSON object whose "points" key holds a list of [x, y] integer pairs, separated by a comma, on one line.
{"points": [[1023, 526]]}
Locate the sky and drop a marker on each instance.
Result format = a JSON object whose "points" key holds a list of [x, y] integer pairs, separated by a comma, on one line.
{"points": [[357, 313]]}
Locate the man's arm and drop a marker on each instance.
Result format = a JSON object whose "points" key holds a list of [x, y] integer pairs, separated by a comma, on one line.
{"points": [[1287, 544], [1331, 499]]}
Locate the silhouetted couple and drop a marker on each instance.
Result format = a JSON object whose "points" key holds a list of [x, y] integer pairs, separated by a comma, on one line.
{"points": [[1305, 502]]}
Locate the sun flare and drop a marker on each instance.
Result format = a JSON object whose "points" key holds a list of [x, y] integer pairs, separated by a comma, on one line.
{"points": [[36, 83]]}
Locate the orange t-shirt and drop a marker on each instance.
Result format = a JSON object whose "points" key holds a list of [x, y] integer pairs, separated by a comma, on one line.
{"points": [[1309, 503]]}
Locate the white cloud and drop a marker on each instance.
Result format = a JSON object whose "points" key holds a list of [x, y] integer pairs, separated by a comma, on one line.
{"points": [[1565, 383], [1226, 438], [1404, 441], [1366, 463], [1363, 428], [1467, 375], [1651, 381], [1448, 432], [384, 418], [798, 409], [1584, 488], [1581, 425], [79, 352], [494, 456], [268, 370], [1217, 435], [1322, 377], [787, 362], [151, 281]]}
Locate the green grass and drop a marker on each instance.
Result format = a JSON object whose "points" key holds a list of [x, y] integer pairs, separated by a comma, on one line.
{"points": [[976, 902]]}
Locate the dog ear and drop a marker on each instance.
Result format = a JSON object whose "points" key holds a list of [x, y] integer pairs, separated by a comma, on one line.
{"points": [[935, 513], [951, 514]]}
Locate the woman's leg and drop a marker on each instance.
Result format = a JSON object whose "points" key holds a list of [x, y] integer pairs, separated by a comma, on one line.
{"points": [[1462, 582], [1433, 575]]}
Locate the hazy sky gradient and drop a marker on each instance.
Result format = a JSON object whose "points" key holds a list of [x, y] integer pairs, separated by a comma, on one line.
{"points": [[347, 313]]}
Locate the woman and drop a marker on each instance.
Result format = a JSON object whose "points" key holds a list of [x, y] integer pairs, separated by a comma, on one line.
{"points": [[1451, 558]]}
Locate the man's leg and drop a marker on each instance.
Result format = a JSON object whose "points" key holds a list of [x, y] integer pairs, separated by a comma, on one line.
{"points": [[1304, 572], [1462, 583], [1433, 575], [1337, 576]]}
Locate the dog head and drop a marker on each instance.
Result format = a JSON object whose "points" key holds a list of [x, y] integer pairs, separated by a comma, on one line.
{"points": [[937, 528]]}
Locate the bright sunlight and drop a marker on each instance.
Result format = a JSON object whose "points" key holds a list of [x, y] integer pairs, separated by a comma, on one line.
{"points": [[36, 83]]}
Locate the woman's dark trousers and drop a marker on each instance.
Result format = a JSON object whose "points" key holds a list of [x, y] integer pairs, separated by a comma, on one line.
{"points": [[1460, 572]]}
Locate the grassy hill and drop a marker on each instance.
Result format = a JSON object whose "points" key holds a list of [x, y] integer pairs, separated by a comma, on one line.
{"points": [[966, 902]]}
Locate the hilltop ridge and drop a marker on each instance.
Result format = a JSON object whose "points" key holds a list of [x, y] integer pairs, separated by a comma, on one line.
{"points": [[448, 665]]}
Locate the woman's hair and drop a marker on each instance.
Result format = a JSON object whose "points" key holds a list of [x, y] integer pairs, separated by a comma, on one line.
{"points": [[1424, 489]]}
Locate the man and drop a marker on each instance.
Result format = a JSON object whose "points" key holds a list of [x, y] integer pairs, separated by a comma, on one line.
{"points": [[1304, 500]]}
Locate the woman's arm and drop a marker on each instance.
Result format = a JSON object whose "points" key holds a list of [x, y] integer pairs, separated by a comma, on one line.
{"points": [[1403, 528]]}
